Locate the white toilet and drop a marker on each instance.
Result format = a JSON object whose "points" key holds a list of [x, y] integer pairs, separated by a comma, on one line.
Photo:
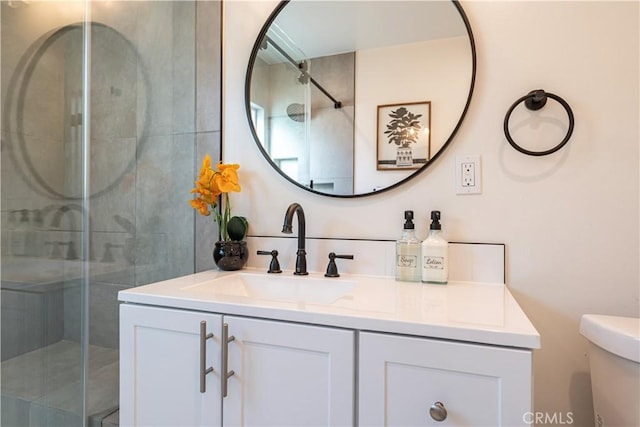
{"points": [[614, 361]]}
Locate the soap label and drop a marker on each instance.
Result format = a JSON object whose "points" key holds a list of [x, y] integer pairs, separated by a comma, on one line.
{"points": [[434, 262], [407, 261]]}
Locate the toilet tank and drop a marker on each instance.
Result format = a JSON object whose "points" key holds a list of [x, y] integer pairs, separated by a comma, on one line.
{"points": [[614, 362]]}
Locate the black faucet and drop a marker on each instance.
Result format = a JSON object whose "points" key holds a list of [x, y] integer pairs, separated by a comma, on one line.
{"points": [[301, 259], [56, 221]]}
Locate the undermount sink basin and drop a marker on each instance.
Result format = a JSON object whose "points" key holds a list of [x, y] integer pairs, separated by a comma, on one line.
{"points": [[279, 287]]}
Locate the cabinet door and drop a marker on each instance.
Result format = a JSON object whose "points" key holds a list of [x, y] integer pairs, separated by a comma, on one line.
{"points": [[400, 378], [160, 368], [289, 375]]}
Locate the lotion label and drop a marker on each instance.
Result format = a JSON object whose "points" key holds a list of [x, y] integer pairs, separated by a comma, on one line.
{"points": [[434, 262]]}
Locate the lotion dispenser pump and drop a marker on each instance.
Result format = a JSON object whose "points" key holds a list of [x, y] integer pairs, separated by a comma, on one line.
{"points": [[435, 254], [408, 252]]}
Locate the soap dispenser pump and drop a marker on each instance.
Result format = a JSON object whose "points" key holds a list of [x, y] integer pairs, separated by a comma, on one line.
{"points": [[408, 252], [435, 254]]}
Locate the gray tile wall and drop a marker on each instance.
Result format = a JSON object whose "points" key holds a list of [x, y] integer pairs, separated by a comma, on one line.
{"points": [[162, 117], [34, 318], [208, 114], [185, 123]]}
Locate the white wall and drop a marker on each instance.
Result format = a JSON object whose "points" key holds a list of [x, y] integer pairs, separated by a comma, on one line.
{"points": [[403, 74], [570, 220]]}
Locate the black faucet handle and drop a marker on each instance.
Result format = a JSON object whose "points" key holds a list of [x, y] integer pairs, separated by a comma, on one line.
{"points": [[332, 268], [71, 250], [274, 265], [107, 256], [56, 252]]}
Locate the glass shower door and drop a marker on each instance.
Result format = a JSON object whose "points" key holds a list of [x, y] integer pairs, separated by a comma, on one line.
{"points": [[43, 276], [98, 157]]}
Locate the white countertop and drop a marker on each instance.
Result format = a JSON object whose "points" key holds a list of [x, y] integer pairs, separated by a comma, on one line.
{"points": [[474, 312]]}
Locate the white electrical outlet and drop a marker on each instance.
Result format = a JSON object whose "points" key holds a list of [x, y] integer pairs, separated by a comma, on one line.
{"points": [[468, 175]]}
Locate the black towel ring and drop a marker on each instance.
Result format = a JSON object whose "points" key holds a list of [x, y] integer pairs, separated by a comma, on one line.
{"points": [[535, 100]]}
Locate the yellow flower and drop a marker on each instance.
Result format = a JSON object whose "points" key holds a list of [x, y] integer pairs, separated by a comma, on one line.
{"points": [[201, 206], [227, 179], [210, 185], [208, 191]]}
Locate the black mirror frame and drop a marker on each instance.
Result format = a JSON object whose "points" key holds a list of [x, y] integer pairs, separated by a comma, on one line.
{"points": [[247, 92]]}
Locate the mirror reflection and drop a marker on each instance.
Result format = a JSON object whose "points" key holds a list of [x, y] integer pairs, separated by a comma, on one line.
{"points": [[353, 97], [50, 73]]}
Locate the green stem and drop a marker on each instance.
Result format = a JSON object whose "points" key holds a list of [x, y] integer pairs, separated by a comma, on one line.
{"points": [[225, 217], [217, 217]]}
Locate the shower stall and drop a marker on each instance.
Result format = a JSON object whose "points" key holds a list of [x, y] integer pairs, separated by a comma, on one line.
{"points": [[303, 112], [106, 109]]}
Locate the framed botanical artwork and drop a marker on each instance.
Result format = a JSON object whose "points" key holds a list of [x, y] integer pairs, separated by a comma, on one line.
{"points": [[404, 140]]}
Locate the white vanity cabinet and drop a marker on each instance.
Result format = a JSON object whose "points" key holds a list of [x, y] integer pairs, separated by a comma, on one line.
{"points": [[160, 367], [287, 374], [277, 373], [380, 353], [406, 381]]}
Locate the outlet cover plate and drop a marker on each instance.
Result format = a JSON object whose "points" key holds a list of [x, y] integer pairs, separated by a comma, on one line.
{"points": [[468, 172]]}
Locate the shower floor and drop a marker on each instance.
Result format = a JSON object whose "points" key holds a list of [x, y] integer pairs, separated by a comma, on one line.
{"points": [[44, 387]]}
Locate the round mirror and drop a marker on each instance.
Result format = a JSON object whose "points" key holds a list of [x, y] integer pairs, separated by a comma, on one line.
{"points": [[352, 98]]}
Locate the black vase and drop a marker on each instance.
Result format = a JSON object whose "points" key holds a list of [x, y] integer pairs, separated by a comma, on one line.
{"points": [[230, 255]]}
